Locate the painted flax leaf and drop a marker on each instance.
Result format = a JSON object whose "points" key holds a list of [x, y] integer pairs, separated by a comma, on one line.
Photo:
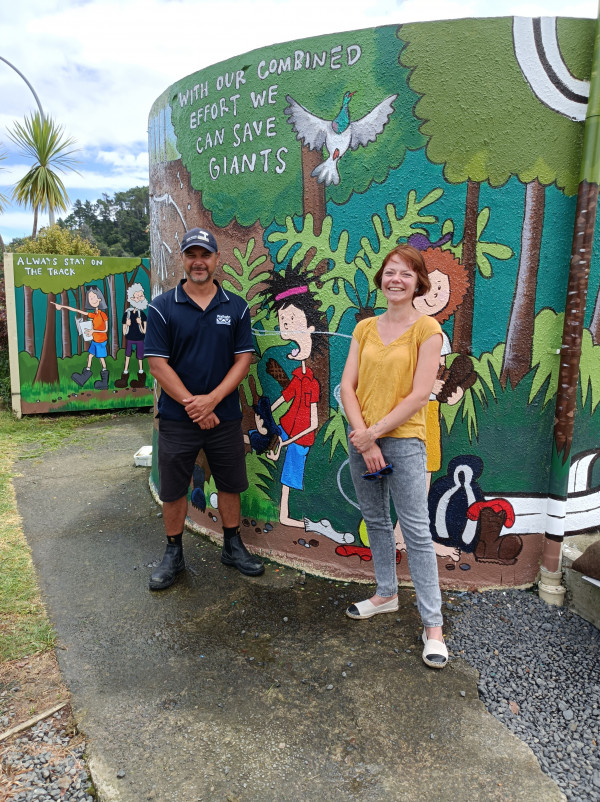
{"points": [[336, 431], [547, 334], [487, 367], [259, 475], [479, 392], [376, 298], [488, 363], [448, 414], [589, 369], [245, 385], [470, 415]]}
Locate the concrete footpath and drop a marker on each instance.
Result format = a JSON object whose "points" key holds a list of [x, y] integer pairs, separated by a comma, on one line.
{"points": [[230, 688]]}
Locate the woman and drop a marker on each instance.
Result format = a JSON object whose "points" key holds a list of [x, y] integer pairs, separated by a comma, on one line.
{"points": [[386, 384]]}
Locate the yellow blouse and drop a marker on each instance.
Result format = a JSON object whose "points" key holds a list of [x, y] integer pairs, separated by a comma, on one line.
{"points": [[385, 372]]}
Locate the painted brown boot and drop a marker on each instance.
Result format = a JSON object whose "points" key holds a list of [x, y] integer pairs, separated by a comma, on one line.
{"points": [[491, 548], [123, 381], [139, 381]]}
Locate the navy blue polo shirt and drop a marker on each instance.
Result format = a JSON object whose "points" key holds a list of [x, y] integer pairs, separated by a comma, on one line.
{"points": [[200, 345]]}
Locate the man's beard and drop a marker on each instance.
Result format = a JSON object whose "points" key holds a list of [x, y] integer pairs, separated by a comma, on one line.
{"points": [[141, 305]]}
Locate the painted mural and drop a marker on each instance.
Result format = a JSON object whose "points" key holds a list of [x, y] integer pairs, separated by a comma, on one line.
{"points": [[77, 326], [309, 161]]}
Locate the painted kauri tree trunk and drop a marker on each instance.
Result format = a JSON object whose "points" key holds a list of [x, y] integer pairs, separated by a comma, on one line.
{"points": [[114, 322], [462, 339], [519, 338], [47, 372], [65, 325], [28, 329], [313, 193], [566, 399]]}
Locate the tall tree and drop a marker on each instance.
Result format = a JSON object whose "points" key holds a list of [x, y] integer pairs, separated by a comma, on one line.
{"points": [[118, 225], [43, 141], [490, 130]]}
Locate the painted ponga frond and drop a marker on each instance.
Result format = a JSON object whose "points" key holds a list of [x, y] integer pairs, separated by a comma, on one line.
{"points": [[251, 279], [319, 254]]}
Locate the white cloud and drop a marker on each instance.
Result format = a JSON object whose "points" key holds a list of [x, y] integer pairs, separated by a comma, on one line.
{"points": [[129, 161], [116, 181]]}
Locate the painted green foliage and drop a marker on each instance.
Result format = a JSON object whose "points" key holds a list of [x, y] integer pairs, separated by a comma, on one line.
{"points": [[494, 127], [53, 274], [483, 249], [239, 147]]}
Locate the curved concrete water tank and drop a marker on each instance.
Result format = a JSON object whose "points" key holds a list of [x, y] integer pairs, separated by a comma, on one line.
{"points": [[310, 160]]}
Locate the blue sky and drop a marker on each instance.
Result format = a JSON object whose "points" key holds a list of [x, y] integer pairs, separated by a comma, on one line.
{"points": [[98, 65]]}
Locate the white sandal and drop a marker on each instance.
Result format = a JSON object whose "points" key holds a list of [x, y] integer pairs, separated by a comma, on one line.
{"points": [[366, 608], [435, 653]]}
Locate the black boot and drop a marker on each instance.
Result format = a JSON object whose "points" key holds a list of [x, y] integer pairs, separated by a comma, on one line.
{"points": [[81, 378], [172, 564], [102, 383], [236, 554]]}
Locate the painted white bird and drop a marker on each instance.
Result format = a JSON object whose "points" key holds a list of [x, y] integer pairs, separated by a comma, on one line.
{"points": [[337, 135]]}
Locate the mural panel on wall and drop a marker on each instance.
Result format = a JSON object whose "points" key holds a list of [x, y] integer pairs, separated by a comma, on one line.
{"points": [[309, 161], [76, 328]]}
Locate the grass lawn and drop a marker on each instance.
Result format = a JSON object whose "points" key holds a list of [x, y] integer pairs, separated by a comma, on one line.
{"points": [[24, 626]]}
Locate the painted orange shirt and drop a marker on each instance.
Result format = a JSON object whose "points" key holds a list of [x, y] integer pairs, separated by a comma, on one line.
{"points": [[99, 319]]}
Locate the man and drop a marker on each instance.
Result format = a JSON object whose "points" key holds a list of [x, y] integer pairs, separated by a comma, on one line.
{"points": [[199, 346], [134, 331]]}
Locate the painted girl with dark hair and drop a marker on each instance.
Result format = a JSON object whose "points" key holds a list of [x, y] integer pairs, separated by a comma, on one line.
{"points": [[96, 306], [299, 322]]}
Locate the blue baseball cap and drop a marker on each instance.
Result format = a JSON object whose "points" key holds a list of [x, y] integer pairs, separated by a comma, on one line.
{"points": [[201, 237]]}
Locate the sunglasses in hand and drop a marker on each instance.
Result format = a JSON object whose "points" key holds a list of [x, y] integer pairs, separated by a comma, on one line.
{"points": [[385, 471]]}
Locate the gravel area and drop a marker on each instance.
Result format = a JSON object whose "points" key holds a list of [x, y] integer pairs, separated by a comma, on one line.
{"points": [[43, 765], [539, 673]]}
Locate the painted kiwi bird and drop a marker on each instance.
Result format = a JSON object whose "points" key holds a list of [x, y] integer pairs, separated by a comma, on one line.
{"points": [[337, 135]]}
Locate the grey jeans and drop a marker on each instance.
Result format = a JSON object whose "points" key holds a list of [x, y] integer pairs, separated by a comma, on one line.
{"points": [[408, 489]]}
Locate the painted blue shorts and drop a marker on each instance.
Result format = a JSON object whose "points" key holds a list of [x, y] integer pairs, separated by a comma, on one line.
{"points": [[292, 474], [98, 349]]}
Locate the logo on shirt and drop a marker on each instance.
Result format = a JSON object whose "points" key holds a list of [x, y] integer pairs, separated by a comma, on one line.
{"points": [[224, 320]]}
